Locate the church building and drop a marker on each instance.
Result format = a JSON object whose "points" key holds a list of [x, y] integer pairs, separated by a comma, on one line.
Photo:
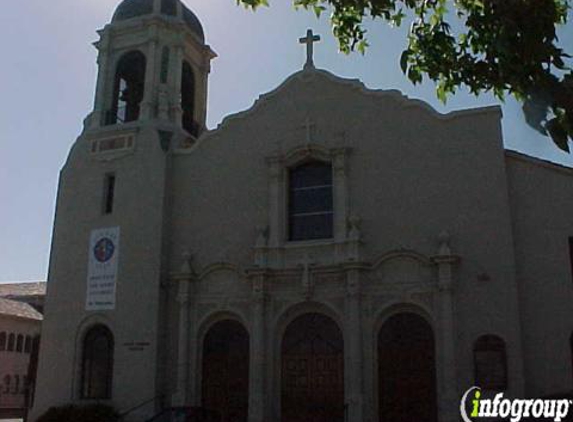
{"points": [[332, 254]]}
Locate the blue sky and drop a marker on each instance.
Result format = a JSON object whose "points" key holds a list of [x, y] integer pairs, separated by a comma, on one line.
{"points": [[47, 82]]}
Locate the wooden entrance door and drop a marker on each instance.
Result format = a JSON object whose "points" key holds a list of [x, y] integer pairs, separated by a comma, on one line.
{"points": [[312, 371], [407, 374], [225, 379]]}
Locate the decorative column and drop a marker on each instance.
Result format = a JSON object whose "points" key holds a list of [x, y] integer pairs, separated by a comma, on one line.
{"points": [[103, 59], [354, 238], [354, 382], [184, 281], [147, 112], [257, 372], [275, 204], [448, 400], [201, 95], [340, 199], [261, 247], [175, 75]]}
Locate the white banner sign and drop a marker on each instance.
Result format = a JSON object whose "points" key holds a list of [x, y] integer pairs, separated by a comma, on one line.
{"points": [[102, 269]]}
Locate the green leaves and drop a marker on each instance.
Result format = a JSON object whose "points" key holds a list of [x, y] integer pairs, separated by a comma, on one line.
{"points": [[252, 4], [500, 46]]}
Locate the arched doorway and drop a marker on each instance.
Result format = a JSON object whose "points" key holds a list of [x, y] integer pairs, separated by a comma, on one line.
{"points": [[97, 363], [312, 374], [226, 371], [407, 370]]}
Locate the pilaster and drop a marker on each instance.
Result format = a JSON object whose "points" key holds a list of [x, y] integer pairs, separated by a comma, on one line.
{"points": [[448, 398], [177, 67], [340, 194], [187, 338], [103, 64], [276, 211], [258, 366], [147, 104], [354, 383]]}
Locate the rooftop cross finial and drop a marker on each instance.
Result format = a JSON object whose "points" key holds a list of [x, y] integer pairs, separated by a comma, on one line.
{"points": [[309, 40]]}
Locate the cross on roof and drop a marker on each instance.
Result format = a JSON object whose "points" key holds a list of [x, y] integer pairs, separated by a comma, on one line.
{"points": [[308, 127], [309, 40]]}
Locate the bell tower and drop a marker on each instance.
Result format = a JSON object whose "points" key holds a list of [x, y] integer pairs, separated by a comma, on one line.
{"points": [[109, 261], [153, 67]]}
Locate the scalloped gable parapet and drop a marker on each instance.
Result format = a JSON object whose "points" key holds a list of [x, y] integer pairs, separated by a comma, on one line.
{"points": [[353, 84]]}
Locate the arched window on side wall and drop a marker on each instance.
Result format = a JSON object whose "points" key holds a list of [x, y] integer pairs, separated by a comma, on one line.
{"points": [[188, 100], [310, 203], [7, 382], [490, 363], [11, 342], [128, 89], [20, 343], [2, 341], [97, 363]]}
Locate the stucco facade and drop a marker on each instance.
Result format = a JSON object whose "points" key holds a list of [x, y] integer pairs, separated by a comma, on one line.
{"points": [[431, 216], [20, 326]]}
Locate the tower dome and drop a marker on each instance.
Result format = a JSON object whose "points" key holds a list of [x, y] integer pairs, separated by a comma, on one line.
{"points": [[129, 9]]}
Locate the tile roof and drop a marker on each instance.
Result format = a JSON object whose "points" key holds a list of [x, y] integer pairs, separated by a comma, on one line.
{"points": [[18, 309], [23, 289]]}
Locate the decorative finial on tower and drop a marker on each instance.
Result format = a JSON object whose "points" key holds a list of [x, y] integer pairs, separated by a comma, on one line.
{"points": [[444, 241], [187, 265], [307, 280], [354, 228], [309, 40]]}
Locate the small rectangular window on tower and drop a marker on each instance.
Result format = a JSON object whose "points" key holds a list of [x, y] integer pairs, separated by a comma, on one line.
{"points": [[109, 190]]}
